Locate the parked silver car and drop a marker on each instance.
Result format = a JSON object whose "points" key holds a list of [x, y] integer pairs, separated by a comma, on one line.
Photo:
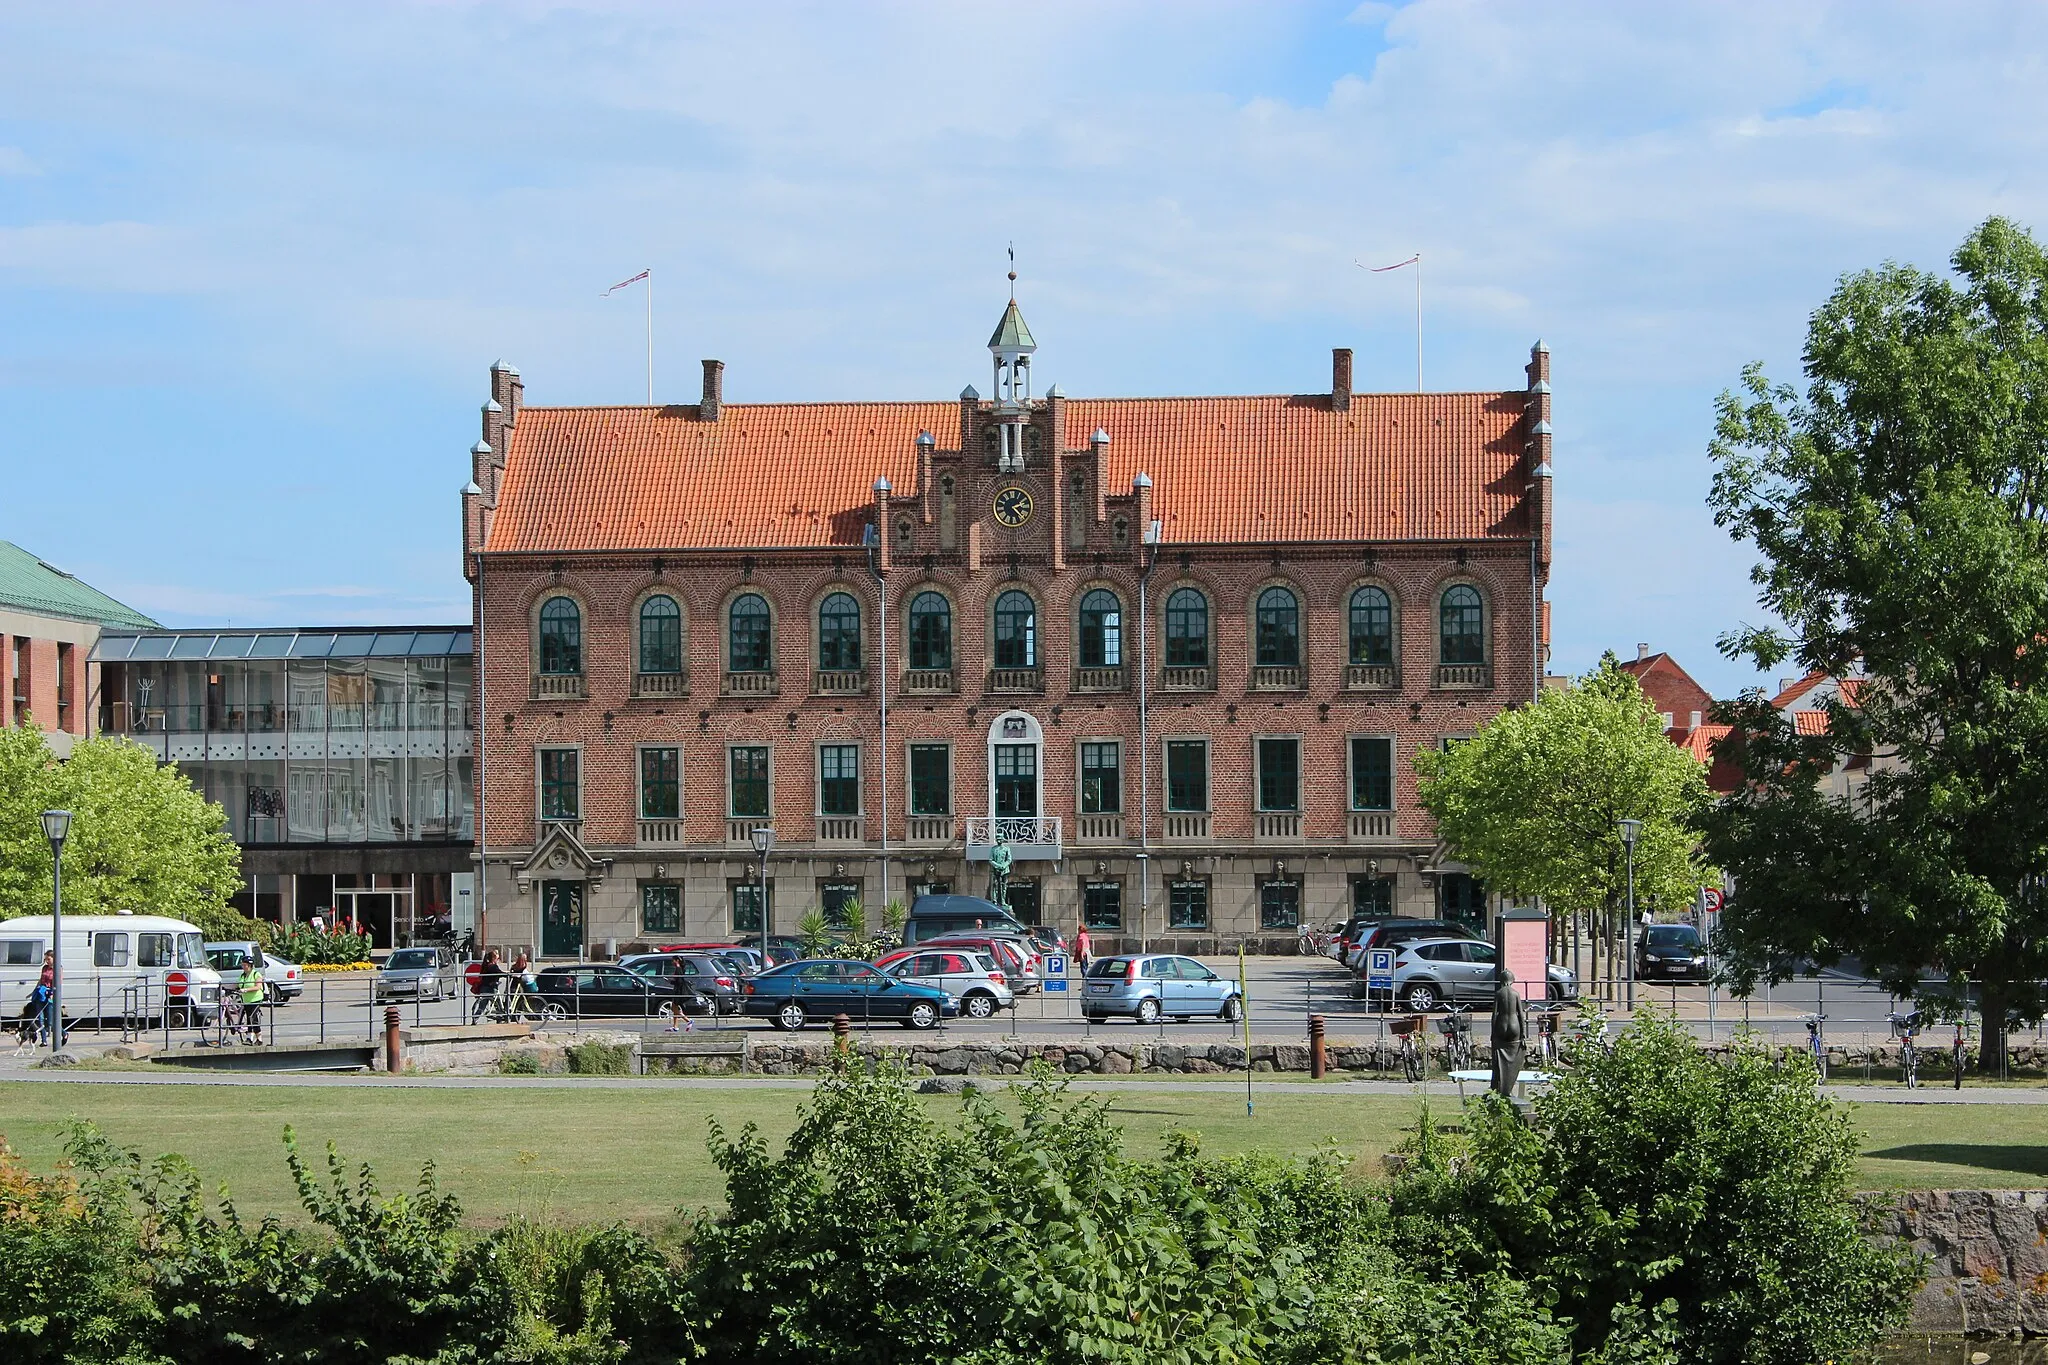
{"points": [[972, 978], [1148, 988], [1430, 973], [410, 974]]}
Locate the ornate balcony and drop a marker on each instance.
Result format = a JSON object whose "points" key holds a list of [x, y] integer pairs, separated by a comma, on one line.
{"points": [[749, 685], [659, 833], [1016, 680], [1464, 677], [1184, 825], [1271, 679], [1277, 826], [661, 684], [1029, 836], [1370, 678], [1372, 826], [1188, 678], [1099, 829], [558, 687], [928, 682], [1099, 679], [839, 682]]}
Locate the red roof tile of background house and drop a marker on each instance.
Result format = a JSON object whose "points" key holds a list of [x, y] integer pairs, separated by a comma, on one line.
{"points": [[1262, 469], [1798, 690], [1810, 722]]}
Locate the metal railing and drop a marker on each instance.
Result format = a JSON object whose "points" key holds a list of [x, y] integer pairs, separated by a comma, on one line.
{"points": [[1013, 829]]}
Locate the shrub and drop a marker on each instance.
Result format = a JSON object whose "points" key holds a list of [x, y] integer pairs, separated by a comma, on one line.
{"points": [[598, 1058], [525, 1063], [300, 943], [814, 931], [1667, 1201]]}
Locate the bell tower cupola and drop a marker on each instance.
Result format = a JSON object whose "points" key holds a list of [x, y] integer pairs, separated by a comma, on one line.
{"points": [[1012, 346]]}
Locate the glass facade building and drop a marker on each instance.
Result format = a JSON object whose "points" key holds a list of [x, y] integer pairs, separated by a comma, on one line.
{"points": [[314, 741]]}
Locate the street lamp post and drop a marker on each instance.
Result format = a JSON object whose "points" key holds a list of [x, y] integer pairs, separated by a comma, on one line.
{"points": [[56, 827], [1630, 829], [764, 839]]}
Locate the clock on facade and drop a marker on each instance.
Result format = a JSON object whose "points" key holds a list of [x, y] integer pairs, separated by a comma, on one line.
{"points": [[1013, 507]]}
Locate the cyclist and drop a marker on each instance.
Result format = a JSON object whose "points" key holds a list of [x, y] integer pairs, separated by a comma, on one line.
{"points": [[490, 984], [249, 986]]}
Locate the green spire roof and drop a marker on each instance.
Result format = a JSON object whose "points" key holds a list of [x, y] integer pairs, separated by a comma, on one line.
{"points": [[1011, 334], [28, 584]]}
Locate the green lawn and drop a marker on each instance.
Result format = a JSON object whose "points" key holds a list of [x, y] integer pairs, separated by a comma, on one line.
{"points": [[639, 1154]]}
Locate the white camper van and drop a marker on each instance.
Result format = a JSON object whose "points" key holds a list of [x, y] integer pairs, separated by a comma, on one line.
{"points": [[103, 954]]}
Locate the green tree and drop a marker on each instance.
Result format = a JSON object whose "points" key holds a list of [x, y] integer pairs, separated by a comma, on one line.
{"points": [[1533, 802], [142, 838], [1901, 512]]}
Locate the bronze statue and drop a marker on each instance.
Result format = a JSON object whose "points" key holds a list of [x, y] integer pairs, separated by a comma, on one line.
{"points": [[1510, 1032], [999, 872]]}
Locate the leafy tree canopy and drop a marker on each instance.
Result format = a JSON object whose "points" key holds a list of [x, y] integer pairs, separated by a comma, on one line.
{"points": [[1533, 802], [142, 839], [1900, 507]]}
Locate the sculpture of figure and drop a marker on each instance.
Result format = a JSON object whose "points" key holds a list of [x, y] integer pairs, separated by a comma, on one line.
{"points": [[999, 872], [1510, 1031]]}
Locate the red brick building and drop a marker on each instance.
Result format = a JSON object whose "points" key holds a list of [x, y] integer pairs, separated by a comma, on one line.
{"points": [[1687, 711], [49, 623], [1177, 652]]}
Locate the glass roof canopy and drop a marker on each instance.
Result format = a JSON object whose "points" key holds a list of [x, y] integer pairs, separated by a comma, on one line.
{"points": [[353, 642]]}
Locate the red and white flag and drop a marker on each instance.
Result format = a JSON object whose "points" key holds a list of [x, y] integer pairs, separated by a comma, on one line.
{"points": [[623, 283]]}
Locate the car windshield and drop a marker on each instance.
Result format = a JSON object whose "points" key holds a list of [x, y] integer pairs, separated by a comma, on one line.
{"points": [[191, 950], [1673, 936], [411, 958]]}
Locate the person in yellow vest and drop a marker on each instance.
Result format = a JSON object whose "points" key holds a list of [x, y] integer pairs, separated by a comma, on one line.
{"points": [[249, 986]]}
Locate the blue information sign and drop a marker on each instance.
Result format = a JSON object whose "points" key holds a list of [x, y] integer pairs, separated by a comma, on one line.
{"points": [[1055, 971], [1379, 969]]}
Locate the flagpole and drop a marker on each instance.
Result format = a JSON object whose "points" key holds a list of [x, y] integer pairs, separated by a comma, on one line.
{"points": [[1418, 321], [650, 336]]}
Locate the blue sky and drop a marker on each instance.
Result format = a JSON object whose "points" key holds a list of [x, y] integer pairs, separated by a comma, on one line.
{"points": [[255, 260]]}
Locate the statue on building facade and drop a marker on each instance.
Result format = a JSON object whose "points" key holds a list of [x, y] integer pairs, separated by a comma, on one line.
{"points": [[999, 872]]}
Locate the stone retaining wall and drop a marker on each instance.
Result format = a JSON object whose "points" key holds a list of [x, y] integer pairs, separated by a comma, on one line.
{"points": [[1987, 1250]]}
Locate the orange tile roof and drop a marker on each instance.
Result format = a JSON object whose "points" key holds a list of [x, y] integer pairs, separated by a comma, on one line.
{"points": [[1810, 722], [1798, 689], [1700, 742], [1851, 690], [1396, 466]]}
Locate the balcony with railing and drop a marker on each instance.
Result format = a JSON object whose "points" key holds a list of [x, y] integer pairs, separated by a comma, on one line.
{"points": [[839, 682], [1276, 826], [1370, 678], [1269, 678], [1464, 677], [761, 684], [1373, 826], [661, 684], [739, 829], [1029, 836], [928, 829], [1099, 679], [558, 687], [572, 828], [659, 833], [1188, 678], [1184, 826], [840, 829], [1016, 680], [928, 682], [1104, 828]]}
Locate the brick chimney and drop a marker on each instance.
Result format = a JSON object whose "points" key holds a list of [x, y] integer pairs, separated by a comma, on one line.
{"points": [[1340, 379], [1642, 651], [714, 391]]}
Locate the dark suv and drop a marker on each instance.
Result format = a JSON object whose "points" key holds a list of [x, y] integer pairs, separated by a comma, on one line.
{"points": [[931, 916], [1391, 933]]}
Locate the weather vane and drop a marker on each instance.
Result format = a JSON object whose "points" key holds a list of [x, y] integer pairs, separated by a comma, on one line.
{"points": [[1013, 272]]}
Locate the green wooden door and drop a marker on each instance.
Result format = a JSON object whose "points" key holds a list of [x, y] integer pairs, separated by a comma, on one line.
{"points": [[561, 919]]}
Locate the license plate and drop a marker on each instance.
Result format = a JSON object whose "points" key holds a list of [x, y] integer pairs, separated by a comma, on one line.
{"points": [[1098, 990]]}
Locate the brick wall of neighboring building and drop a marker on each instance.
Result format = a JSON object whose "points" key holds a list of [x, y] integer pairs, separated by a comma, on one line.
{"points": [[556, 514]]}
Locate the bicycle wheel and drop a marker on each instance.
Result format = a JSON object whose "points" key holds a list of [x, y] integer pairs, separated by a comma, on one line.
{"points": [[1411, 1063]]}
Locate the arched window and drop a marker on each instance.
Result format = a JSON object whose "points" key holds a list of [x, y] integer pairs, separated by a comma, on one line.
{"points": [[1102, 630], [1372, 628], [931, 631], [839, 634], [1279, 629], [661, 635], [747, 635], [1016, 631], [1462, 626], [561, 636], [1187, 629]]}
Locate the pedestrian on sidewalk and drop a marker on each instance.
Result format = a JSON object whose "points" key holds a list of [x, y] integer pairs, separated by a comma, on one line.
{"points": [[490, 984], [1081, 948]]}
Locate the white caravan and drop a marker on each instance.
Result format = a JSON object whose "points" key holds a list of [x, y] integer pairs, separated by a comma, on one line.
{"points": [[103, 956]]}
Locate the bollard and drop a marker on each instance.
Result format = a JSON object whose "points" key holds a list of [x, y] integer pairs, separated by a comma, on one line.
{"points": [[842, 1034], [394, 1051], [1317, 1060]]}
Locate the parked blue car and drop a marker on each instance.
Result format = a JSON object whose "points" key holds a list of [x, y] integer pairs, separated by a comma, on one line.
{"points": [[1147, 988], [800, 993]]}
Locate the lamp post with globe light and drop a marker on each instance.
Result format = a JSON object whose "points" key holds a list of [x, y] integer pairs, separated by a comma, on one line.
{"points": [[764, 840], [56, 828]]}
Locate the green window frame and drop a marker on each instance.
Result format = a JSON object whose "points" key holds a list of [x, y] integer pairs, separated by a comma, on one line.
{"points": [[661, 635], [1461, 618], [1372, 628], [1102, 777], [1279, 762], [931, 779], [1016, 643], [839, 901], [1102, 630], [1016, 780], [1187, 774], [1279, 905], [1372, 772], [561, 787], [1187, 629], [747, 790], [744, 906], [749, 635], [1187, 905], [839, 779], [839, 633], [661, 784], [661, 908], [931, 632], [1102, 905], [1278, 629], [561, 637]]}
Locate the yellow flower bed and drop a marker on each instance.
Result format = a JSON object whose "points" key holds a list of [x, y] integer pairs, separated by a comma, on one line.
{"points": [[337, 966]]}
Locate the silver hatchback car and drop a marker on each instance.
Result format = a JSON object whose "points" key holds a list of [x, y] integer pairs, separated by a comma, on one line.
{"points": [[1148, 988], [411, 974], [972, 978]]}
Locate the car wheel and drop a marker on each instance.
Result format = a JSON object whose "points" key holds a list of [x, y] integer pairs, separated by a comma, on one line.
{"points": [[923, 1015], [1421, 998], [1148, 1011], [979, 1005], [1233, 1010], [790, 1017]]}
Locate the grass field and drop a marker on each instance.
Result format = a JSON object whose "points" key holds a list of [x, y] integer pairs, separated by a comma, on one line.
{"points": [[639, 1154]]}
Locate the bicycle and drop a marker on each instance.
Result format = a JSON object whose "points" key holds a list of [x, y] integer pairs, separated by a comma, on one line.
{"points": [[521, 1003], [1546, 1035], [1456, 1027], [1816, 1044], [1588, 1030], [1959, 1051], [1906, 1028], [238, 1022], [1414, 1045]]}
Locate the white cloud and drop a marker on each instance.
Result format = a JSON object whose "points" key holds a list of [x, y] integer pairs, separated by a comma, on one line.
{"points": [[14, 161]]}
